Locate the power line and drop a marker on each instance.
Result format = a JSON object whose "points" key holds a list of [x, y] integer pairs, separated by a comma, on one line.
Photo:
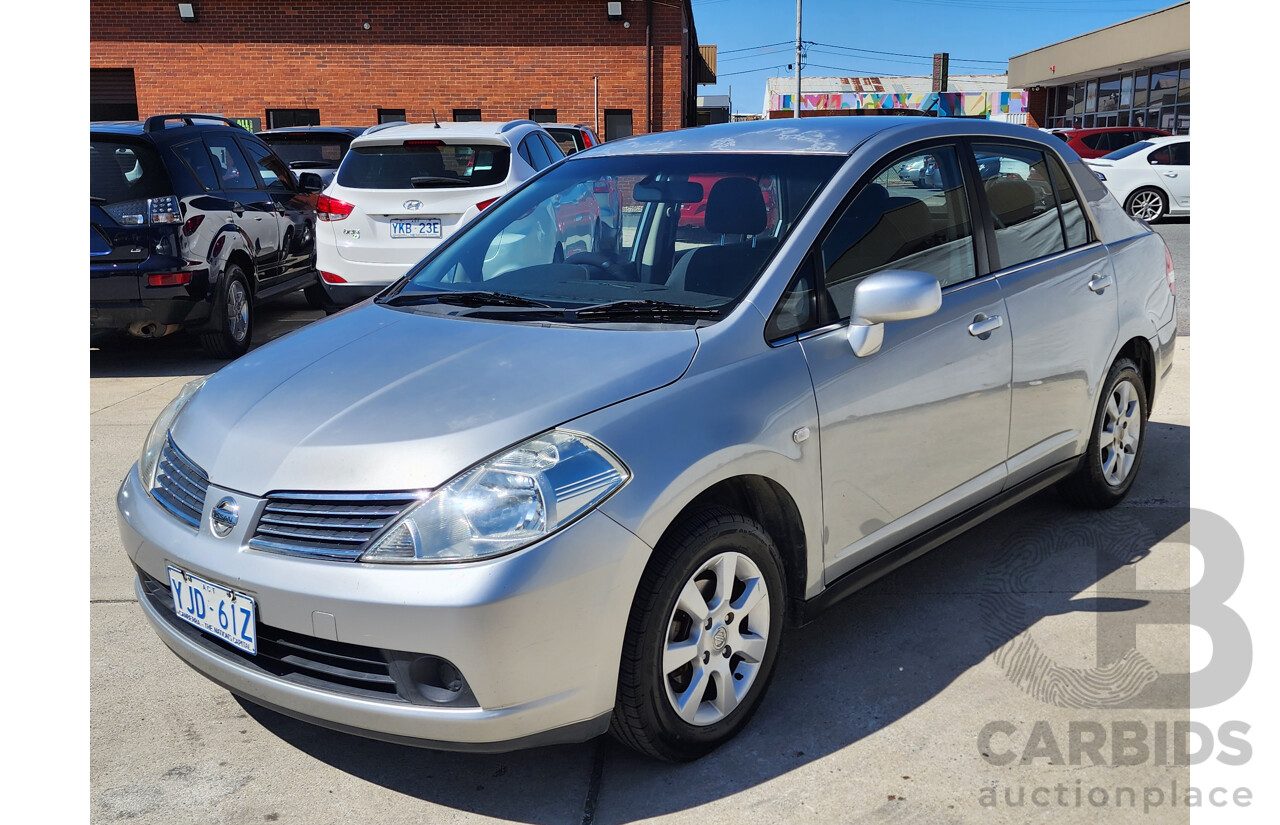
{"points": [[901, 54], [749, 48]]}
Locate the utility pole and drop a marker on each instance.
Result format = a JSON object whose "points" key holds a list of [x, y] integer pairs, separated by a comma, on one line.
{"points": [[795, 101]]}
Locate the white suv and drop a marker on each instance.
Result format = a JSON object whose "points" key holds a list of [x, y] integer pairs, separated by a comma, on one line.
{"points": [[403, 188]]}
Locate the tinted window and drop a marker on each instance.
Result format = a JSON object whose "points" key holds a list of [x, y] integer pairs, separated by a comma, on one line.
{"points": [[1129, 150], [912, 215], [537, 152], [275, 175], [1098, 141], [196, 158], [278, 118], [466, 115], [310, 151], [565, 139], [554, 152], [1073, 217], [229, 164], [543, 115], [424, 165], [120, 171], [1022, 205]]}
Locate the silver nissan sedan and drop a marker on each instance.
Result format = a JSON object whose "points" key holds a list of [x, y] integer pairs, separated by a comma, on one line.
{"points": [[536, 491]]}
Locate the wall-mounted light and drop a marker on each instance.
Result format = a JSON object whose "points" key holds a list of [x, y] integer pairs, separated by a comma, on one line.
{"points": [[187, 12], [614, 10]]}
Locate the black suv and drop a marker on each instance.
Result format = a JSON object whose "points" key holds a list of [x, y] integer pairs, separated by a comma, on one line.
{"points": [[192, 221]]}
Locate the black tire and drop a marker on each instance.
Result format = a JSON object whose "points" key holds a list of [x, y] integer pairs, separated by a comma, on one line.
{"points": [[1094, 484], [645, 716], [1147, 203], [232, 331], [316, 297]]}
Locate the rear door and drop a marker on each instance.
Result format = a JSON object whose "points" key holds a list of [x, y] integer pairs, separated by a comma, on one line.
{"points": [[1172, 164], [252, 209], [293, 210]]}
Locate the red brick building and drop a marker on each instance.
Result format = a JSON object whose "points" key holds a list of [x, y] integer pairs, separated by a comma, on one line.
{"points": [[340, 62]]}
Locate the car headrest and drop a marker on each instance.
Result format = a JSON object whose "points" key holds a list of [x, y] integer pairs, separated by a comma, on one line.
{"points": [[1012, 199], [735, 206]]}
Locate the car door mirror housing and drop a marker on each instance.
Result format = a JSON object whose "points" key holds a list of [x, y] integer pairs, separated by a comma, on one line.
{"points": [[892, 295], [310, 182]]}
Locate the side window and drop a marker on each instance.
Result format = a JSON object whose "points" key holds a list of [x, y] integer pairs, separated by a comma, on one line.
{"points": [[911, 215], [554, 152], [523, 149], [229, 164], [275, 175], [1021, 201], [196, 158], [1163, 156], [532, 150], [1180, 154], [1073, 219], [1097, 141]]}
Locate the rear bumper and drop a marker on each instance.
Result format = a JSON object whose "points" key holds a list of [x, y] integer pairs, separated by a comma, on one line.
{"points": [[119, 295]]}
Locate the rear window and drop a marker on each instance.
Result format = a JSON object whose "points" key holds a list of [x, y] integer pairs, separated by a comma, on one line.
{"points": [[1132, 148], [566, 139], [309, 151], [124, 171], [426, 164]]}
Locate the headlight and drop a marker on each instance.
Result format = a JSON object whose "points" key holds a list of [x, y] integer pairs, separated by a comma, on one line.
{"points": [[505, 503], [160, 430]]}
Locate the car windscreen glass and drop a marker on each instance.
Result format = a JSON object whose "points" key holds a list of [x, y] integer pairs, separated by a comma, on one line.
{"points": [[125, 171], [309, 151], [424, 164], [1132, 148], [694, 233]]}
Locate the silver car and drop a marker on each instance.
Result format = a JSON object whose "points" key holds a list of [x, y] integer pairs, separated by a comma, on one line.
{"points": [[497, 506]]}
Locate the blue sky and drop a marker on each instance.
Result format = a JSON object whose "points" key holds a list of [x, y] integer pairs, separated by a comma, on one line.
{"points": [[756, 38]]}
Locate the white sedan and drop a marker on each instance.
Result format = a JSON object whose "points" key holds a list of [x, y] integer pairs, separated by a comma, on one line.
{"points": [[1151, 178]]}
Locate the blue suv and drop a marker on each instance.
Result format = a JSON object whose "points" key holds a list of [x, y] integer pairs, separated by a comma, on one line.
{"points": [[192, 221]]}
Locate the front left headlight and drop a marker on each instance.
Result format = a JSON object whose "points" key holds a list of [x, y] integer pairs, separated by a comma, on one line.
{"points": [[505, 503], [150, 458]]}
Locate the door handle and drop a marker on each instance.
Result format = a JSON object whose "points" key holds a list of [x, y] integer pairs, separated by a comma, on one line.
{"points": [[1100, 282], [238, 208], [983, 326], [1170, 174]]}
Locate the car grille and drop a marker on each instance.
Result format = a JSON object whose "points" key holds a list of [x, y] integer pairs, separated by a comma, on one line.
{"points": [[180, 485], [305, 660], [337, 526]]}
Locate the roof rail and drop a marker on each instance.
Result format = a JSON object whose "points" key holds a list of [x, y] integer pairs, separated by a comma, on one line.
{"points": [[156, 123], [511, 124], [380, 126]]}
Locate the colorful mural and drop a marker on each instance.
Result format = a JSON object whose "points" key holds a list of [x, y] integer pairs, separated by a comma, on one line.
{"points": [[947, 104]]}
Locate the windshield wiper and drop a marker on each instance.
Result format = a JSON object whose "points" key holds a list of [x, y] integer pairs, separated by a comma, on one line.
{"points": [[425, 181], [92, 199], [645, 308], [467, 299]]}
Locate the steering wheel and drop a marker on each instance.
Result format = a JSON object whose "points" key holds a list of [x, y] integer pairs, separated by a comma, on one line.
{"points": [[600, 262]]}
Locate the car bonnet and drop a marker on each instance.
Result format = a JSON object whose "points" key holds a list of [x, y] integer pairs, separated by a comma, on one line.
{"points": [[376, 399]]}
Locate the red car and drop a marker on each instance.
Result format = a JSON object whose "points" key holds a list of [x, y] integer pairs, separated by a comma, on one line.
{"points": [[1094, 143], [693, 214]]}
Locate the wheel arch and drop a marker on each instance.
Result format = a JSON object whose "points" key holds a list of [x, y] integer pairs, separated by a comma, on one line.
{"points": [[1138, 349]]}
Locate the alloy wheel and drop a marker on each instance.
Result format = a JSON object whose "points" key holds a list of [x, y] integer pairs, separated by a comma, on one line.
{"points": [[1147, 205], [1121, 429], [237, 311]]}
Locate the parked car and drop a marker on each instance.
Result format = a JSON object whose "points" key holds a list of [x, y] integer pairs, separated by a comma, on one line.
{"points": [[192, 222], [316, 149], [1096, 142], [1151, 178], [572, 137], [403, 189], [577, 137], [694, 214], [502, 507]]}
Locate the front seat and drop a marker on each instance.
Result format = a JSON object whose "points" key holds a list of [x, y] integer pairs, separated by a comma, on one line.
{"points": [[735, 206]]}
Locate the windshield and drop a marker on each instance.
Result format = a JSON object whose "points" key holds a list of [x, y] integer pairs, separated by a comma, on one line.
{"points": [[648, 237], [1128, 150], [424, 164], [309, 151]]}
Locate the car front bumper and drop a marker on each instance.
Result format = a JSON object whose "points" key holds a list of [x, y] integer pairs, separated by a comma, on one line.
{"points": [[537, 634]]}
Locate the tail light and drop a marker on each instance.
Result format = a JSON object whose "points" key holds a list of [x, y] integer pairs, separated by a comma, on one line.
{"points": [[482, 205], [193, 223], [169, 279], [165, 209], [1168, 271], [422, 144], [332, 209], [586, 139], [330, 278]]}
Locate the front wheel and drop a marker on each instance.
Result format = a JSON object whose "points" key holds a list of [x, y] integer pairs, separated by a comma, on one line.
{"points": [[1111, 462], [1148, 204], [233, 317], [702, 637]]}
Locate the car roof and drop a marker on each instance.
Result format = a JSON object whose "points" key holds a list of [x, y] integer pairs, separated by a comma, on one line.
{"points": [[810, 135], [1093, 130], [566, 126], [354, 131], [474, 128]]}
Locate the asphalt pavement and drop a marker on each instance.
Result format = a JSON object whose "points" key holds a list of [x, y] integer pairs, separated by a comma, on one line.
{"points": [[918, 700]]}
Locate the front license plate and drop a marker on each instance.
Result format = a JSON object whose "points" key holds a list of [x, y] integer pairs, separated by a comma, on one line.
{"points": [[226, 614], [426, 228]]}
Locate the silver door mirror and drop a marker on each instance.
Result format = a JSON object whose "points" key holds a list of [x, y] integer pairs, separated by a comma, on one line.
{"points": [[892, 295]]}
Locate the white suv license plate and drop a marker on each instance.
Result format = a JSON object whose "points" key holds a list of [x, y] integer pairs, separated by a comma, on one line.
{"points": [[225, 614], [426, 228]]}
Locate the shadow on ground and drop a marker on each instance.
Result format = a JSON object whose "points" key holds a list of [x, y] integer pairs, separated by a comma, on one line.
{"points": [[870, 661]]}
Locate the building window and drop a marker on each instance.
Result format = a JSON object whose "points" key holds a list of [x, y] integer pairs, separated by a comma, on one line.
{"points": [[542, 115], [391, 115], [279, 118], [617, 123], [112, 95], [466, 115]]}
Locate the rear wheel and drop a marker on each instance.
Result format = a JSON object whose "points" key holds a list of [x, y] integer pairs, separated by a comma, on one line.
{"points": [[233, 317], [1149, 204], [1111, 462], [702, 638]]}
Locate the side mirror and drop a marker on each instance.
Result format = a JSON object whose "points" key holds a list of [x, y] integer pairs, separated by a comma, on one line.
{"points": [[892, 295], [310, 182]]}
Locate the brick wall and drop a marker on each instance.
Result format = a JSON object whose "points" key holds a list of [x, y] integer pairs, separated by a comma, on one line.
{"points": [[504, 57], [1037, 99]]}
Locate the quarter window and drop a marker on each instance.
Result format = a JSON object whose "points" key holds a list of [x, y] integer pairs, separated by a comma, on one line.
{"points": [[912, 215], [196, 158], [1021, 201], [1073, 218]]}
